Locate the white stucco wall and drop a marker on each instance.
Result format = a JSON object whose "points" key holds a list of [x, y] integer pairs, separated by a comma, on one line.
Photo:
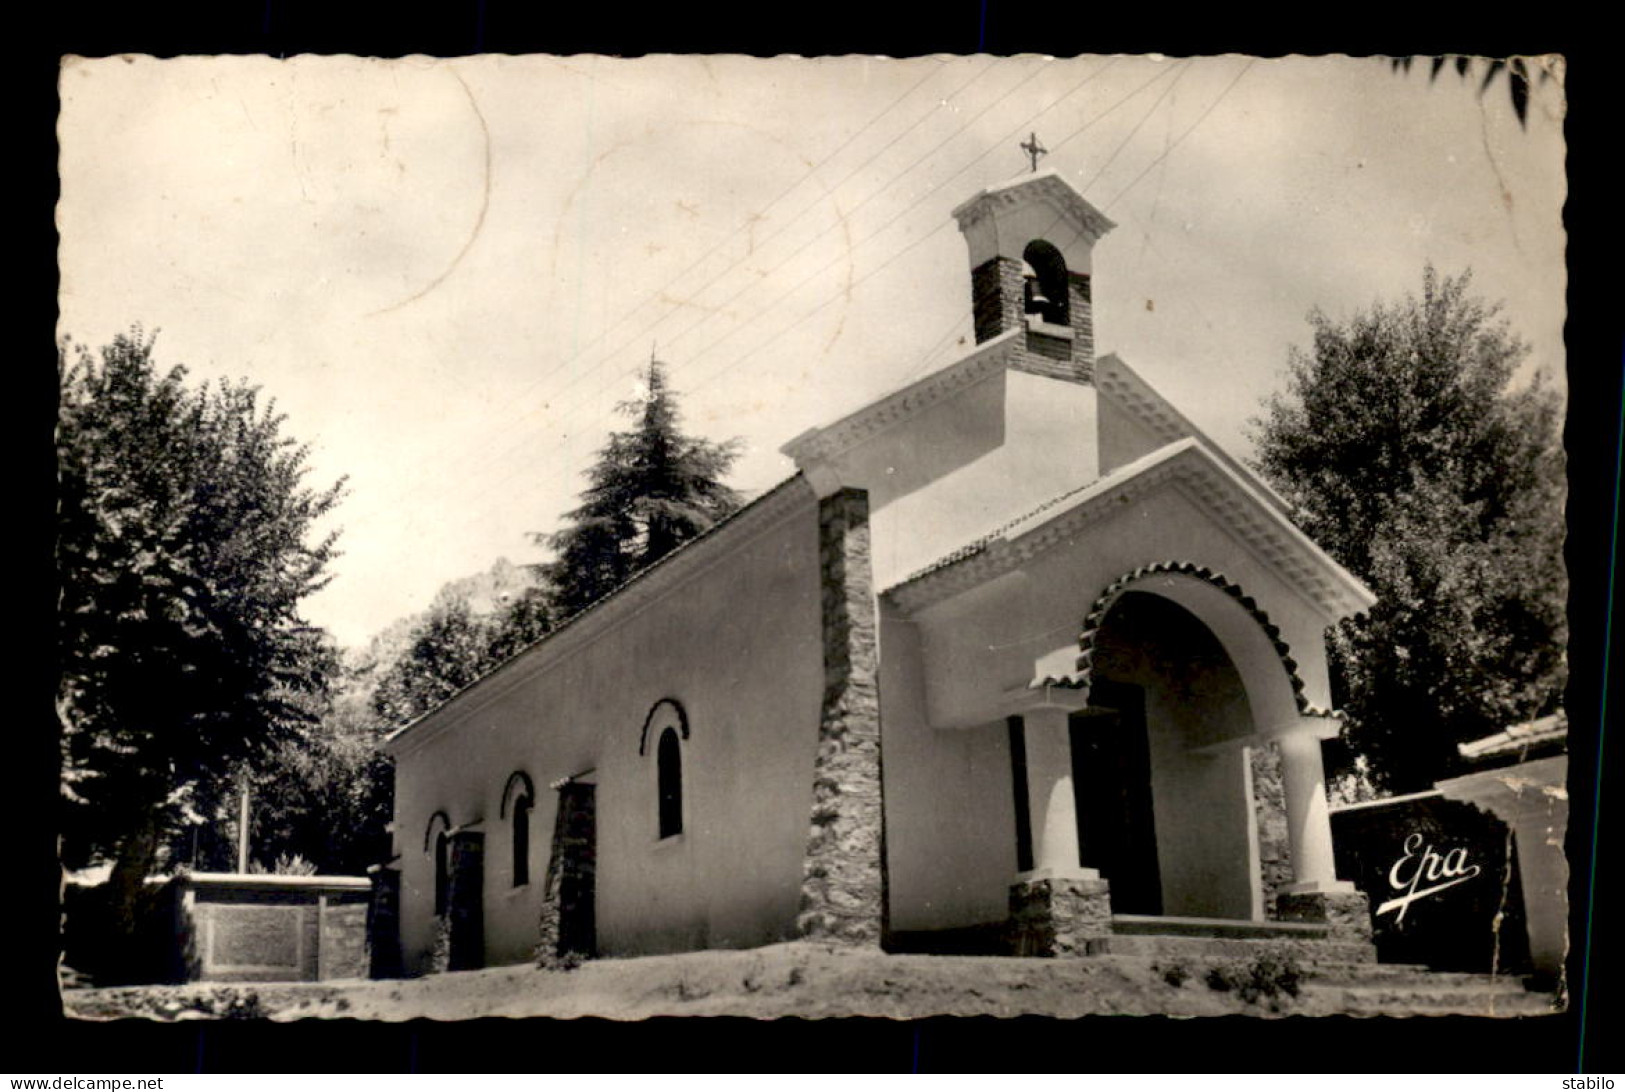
{"points": [[1048, 446], [949, 797], [1123, 437], [950, 812], [739, 644]]}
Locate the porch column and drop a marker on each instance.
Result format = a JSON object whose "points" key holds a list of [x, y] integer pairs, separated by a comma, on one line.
{"points": [[1308, 816], [1316, 894], [1059, 907], [1051, 805]]}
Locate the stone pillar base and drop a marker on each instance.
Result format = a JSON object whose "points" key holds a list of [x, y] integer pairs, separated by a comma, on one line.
{"points": [[440, 950], [1348, 913], [465, 901], [384, 923], [1059, 917], [567, 929]]}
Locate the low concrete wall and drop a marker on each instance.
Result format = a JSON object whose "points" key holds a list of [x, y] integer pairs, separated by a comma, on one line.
{"points": [[262, 928]]}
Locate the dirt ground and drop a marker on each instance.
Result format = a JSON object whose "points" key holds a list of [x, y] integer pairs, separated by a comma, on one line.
{"points": [[800, 979]]}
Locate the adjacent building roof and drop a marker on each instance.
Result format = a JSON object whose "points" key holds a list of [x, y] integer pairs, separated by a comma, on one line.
{"points": [[1521, 740]]}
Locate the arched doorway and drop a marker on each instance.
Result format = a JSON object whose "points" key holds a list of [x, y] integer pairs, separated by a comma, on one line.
{"points": [[1164, 810]]}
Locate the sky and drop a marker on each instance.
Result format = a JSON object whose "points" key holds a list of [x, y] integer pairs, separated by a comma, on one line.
{"points": [[448, 272]]}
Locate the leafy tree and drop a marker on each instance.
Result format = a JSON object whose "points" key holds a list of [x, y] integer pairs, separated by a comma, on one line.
{"points": [[185, 544], [1407, 454], [651, 490], [1517, 71], [524, 618], [449, 649], [326, 797]]}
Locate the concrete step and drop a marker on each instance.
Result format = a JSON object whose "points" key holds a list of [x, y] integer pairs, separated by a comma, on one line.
{"points": [[1307, 950], [1228, 928], [1384, 974], [1373, 989], [1499, 999]]}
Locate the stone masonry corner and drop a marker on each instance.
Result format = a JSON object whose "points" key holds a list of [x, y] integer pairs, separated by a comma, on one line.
{"points": [[843, 885]]}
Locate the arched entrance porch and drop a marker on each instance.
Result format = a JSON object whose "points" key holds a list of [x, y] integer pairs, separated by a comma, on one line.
{"points": [[1174, 768], [1167, 818]]}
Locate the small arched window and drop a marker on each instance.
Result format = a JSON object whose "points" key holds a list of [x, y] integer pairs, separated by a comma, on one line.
{"points": [[669, 759], [667, 725], [518, 800], [521, 841], [1046, 282], [437, 843]]}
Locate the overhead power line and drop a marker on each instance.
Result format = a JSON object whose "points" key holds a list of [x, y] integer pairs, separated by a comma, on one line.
{"points": [[736, 361], [696, 263], [584, 373]]}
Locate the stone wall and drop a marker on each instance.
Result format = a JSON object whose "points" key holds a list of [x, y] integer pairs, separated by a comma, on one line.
{"points": [[465, 901], [440, 945], [569, 894], [1083, 325], [342, 940], [384, 923], [996, 297], [1059, 917], [1348, 914], [272, 928], [1269, 812], [998, 303], [843, 887]]}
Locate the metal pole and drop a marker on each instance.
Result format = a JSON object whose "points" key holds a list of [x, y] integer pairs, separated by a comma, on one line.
{"points": [[242, 828]]}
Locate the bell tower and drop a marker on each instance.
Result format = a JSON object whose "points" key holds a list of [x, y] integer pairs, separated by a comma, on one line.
{"points": [[1031, 243]]}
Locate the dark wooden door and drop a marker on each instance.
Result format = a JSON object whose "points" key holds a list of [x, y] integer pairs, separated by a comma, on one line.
{"points": [[1111, 775]]}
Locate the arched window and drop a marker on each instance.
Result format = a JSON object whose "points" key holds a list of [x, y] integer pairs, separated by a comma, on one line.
{"points": [[521, 841], [437, 843], [518, 800], [1047, 285], [667, 725], [669, 759]]}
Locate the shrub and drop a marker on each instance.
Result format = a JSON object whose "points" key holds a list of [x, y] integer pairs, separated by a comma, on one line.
{"points": [[1271, 975], [1175, 974]]}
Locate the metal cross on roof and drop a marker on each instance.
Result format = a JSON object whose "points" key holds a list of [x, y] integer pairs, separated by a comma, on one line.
{"points": [[1033, 149]]}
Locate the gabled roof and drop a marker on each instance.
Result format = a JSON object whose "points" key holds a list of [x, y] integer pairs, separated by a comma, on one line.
{"points": [[1122, 385], [643, 586], [1047, 186], [1224, 491], [881, 414]]}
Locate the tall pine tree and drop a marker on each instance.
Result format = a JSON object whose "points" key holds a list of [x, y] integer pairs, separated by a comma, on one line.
{"points": [[651, 490]]}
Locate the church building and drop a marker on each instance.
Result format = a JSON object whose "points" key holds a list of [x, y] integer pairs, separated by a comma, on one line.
{"points": [[1017, 661]]}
